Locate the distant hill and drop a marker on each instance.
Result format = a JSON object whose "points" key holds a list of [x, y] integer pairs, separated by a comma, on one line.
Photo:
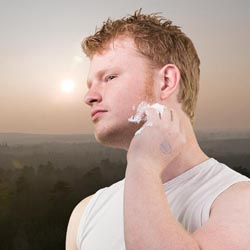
{"points": [[221, 135], [83, 150], [24, 139], [225, 146]]}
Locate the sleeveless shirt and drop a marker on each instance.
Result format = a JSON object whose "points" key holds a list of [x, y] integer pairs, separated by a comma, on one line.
{"points": [[190, 197]]}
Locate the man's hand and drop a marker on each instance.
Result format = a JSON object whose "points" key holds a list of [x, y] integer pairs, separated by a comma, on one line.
{"points": [[148, 221], [158, 142]]}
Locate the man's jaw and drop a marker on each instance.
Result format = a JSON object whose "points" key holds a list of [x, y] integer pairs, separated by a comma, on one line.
{"points": [[112, 134]]}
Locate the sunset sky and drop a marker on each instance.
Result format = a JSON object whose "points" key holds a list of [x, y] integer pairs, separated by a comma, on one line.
{"points": [[40, 57]]}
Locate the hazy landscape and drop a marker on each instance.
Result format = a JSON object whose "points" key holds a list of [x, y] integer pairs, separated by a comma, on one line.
{"points": [[82, 150], [43, 177]]}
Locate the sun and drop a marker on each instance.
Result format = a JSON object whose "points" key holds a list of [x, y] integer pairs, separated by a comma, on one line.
{"points": [[68, 86]]}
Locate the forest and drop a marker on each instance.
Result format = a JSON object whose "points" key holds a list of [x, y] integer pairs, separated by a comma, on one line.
{"points": [[41, 184]]}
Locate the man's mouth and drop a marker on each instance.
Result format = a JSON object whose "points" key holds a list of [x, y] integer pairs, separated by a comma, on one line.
{"points": [[97, 113]]}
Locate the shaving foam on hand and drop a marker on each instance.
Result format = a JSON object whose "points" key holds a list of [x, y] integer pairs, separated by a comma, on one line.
{"points": [[141, 114]]}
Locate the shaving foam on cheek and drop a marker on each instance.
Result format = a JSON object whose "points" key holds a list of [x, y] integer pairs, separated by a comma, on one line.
{"points": [[138, 117], [141, 114]]}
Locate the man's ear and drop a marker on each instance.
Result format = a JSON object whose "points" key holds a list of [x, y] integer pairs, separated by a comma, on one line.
{"points": [[170, 78]]}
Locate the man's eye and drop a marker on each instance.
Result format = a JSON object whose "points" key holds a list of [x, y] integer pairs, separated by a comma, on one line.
{"points": [[110, 77]]}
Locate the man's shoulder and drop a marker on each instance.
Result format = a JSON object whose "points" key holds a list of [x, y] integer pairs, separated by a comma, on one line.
{"points": [[80, 207], [74, 222], [229, 223], [106, 195], [237, 193]]}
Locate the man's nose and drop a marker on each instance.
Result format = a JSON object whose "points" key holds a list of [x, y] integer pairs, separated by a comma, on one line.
{"points": [[92, 97]]}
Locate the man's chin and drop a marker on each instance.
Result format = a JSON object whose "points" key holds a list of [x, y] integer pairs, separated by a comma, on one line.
{"points": [[114, 140]]}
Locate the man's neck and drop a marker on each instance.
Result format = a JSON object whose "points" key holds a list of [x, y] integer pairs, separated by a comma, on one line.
{"points": [[190, 156]]}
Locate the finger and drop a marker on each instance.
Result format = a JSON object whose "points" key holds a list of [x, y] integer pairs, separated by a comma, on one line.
{"points": [[152, 115], [176, 121], [170, 117]]}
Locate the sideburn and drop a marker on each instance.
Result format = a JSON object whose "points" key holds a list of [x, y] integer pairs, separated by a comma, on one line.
{"points": [[149, 87]]}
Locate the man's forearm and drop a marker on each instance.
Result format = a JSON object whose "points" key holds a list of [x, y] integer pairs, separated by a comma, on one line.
{"points": [[148, 221]]}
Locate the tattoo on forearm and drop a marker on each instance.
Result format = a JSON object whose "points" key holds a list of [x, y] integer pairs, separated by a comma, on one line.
{"points": [[165, 148]]}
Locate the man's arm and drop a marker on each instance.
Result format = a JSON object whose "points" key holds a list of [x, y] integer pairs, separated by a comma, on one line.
{"points": [[229, 225], [148, 220], [74, 224]]}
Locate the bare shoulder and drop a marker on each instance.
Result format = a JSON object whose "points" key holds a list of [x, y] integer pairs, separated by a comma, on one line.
{"points": [[74, 223], [229, 224], [79, 209], [236, 195]]}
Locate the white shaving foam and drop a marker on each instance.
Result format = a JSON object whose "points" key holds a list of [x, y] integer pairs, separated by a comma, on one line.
{"points": [[141, 114]]}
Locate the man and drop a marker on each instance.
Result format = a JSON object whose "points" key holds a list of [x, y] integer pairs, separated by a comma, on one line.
{"points": [[173, 196]]}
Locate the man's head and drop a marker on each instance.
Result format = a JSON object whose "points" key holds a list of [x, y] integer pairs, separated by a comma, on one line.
{"points": [[161, 43], [135, 59]]}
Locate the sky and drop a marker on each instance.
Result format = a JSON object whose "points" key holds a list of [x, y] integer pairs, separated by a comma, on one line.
{"points": [[40, 50]]}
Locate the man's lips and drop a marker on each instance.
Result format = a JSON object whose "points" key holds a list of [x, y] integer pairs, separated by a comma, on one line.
{"points": [[96, 112]]}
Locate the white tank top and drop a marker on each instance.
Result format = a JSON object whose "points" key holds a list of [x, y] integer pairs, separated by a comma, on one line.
{"points": [[190, 196]]}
